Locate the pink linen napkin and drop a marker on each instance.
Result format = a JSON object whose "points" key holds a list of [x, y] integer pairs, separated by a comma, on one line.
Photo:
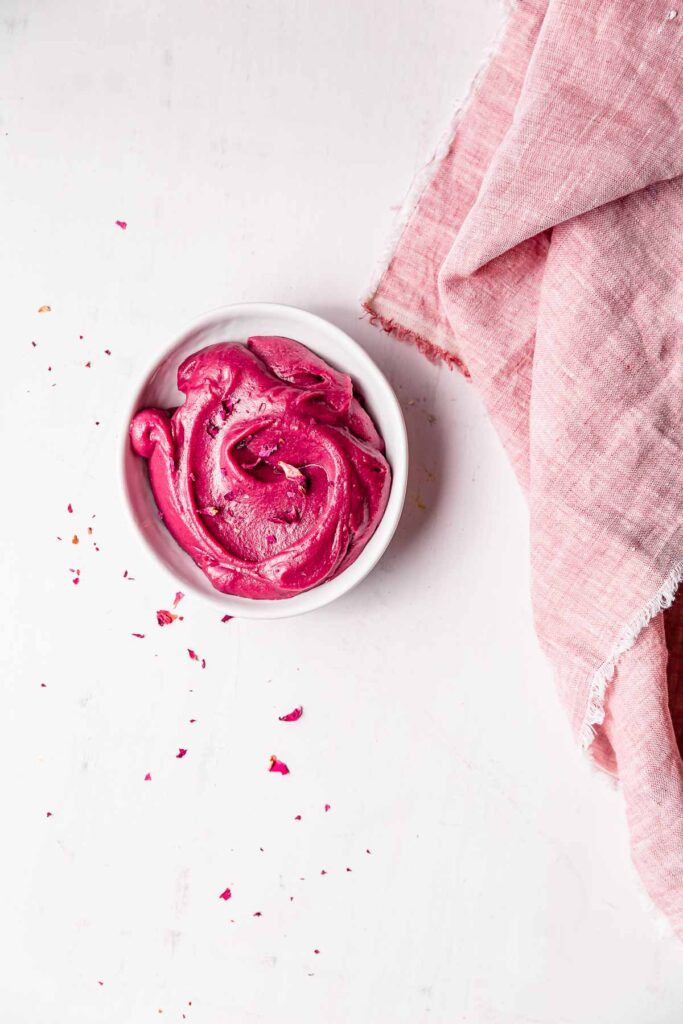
{"points": [[544, 257]]}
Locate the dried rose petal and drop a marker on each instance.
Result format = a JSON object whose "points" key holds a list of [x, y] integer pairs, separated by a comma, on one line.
{"points": [[148, 777], [181, 752], [348, 869], [225, 895], [278, 766], [316, 950], [293, 716], [193, 654], [165, 618], [88, 364], [75, 580], [140, 635], [257, 913], [178, 598], [122, 224], [291, 472], [49, 814], [323, 872], [107, 351], [226, 618], [327, 807], [69, 507], [297, 817]]}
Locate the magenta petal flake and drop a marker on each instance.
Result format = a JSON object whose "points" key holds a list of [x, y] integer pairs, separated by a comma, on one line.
{"points": [[225, 895], [278, 766], [165, 618], [293, 716], [181, 752]]}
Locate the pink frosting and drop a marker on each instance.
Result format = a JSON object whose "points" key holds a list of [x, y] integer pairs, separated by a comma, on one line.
{"points": [[270, 474]]}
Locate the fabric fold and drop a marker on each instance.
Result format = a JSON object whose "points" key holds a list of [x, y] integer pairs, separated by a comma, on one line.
{"points": [[543, 254]]}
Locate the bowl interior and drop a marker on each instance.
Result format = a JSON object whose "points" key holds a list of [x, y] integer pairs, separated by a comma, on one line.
{"points": [[159, 388]]}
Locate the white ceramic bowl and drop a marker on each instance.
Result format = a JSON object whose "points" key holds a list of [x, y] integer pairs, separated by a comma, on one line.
{"points": [[158, 388]]}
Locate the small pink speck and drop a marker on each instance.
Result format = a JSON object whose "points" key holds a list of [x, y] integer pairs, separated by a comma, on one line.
{"points": [[140, 636], [76, 579], [122, 224], [88, 364], [278, 766], [49, 814], [181, 752], [257, 913], [323, 872], [148, 777], [69, 507], [107, 351], [292, 716], [178, 598], [225, 895], [327, 807], [226, 618], [316, 951], [192, 721], [297, 817]]}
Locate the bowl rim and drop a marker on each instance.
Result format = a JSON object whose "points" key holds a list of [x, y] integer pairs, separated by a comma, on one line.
{"points": [[329, 590]]}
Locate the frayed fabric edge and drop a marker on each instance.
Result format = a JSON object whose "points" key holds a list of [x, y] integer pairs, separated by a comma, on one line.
{"points": [[595, 711], [425, 175], [434, 353]]}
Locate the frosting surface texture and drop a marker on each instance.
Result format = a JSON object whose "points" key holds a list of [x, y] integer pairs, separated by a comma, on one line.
{"points": [[271, 474]]}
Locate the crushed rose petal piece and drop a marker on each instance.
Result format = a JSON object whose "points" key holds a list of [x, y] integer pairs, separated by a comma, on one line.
{"points": [[88, 364], [107, 351], [178, 598], [69, 507], [327, 807], [297, 817], [292, 716], [165, 618], [49, 814], [278, 766], [148, 777], [140, 635], [35, 344], [226, 618], [323, 872], [121, 224], [291, 472], [316, 951], [348, 869], [192, 721], [225, 895], [257, 913], [181, 752], [193, 654], [76, 579]]}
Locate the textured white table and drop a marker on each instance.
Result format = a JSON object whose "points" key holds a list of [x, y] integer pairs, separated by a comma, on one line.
{"points": [[256, 151]]}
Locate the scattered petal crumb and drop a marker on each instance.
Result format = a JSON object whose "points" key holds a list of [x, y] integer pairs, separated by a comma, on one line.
{"points": [[90, 531], [122, 224], [316, 951], [49, 814], [165, 618], [348, 869], [292, 716], [323, 872], [192, 721], [74, 539], [107, 351], [181, 752], [100, 983], [88, 364], [148, 777], [69, 507], [35, 344], [140, 636], [368, 851], [76, 579], [44, 685], [44, 309], [327, 806], [278, 766], [178, 598], [226, 618], [257, 913], [297, 817], [225, 895]]}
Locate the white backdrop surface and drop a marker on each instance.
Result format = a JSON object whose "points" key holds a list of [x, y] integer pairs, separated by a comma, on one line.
{"points": [[258, 151]]}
